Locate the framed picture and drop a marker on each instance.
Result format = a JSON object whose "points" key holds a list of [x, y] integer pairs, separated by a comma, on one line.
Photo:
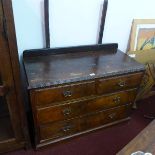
{"points": [[142, 34]]}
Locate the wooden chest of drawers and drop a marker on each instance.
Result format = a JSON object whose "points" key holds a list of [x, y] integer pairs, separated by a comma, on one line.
{"points": [[75, 93]]}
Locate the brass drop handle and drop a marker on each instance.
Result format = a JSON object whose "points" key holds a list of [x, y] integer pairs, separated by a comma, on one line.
{"points": [[67, 93], [3, 90], [111, 116], [66, 111], [66, 128], [117, 99], [122, 83]]}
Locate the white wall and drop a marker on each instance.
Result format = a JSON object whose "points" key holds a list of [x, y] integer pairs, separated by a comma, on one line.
{"points": [[76, 22]]}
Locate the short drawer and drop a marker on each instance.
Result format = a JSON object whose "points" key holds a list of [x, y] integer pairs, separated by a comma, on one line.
{"points": [[71, 127], [74, 109], [63, 93], [119, 83]]}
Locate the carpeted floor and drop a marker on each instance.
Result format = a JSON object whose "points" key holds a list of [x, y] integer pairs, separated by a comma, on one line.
{"points": [[103, 142]]}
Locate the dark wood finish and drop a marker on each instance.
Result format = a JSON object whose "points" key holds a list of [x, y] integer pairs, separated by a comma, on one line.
{"points": [[7, 77], [11, 144], [119, 83], [6, 131], [47, 30], [104, 12], [63, 93], [46, 143], [69, 127], [10, 78], [107, 48], [69, 92], [3, 90], [144, 141], [83, 107], [3, 107], [49, 70]]}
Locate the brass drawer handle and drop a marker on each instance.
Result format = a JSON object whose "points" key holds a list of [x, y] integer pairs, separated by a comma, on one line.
{"points": [[67, 93], [122, 83], [66, 111], [117, 99], [111, 116], [66, 128]]}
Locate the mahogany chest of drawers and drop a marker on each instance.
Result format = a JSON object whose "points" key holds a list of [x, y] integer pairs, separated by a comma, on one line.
{"points": [[77, 90]]}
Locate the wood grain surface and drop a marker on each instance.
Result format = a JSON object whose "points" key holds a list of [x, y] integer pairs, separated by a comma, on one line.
{"points": [[44, 70], [144, 141]]}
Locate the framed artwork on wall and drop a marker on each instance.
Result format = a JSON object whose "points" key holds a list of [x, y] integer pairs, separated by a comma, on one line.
{"points": [[142, 35]]}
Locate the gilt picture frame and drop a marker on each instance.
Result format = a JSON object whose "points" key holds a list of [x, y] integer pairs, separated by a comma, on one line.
{"points": [[142, 35]]}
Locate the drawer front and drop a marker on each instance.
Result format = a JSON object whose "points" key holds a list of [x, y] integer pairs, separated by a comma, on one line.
{"points": [[70, 127], [70, 110], [68, 92], [119, 83]]}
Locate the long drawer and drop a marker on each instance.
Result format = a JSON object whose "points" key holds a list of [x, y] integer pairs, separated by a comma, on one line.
{"points": [[74, 109], [70, 127], [119, 83], [63, 93]]}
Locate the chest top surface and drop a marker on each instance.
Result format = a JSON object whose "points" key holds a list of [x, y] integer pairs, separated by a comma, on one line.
{"points": [[43, 70]]}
